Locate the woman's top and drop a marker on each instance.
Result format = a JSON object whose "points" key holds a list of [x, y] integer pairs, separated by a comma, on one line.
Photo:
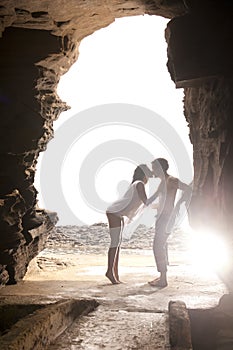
{"points": [[128, 204]]}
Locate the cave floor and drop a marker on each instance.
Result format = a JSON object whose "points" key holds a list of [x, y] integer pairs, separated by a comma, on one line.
{"points": [[131, 315]]}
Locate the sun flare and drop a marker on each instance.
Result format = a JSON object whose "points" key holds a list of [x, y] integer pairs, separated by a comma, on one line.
{"points": [[209, 252]]}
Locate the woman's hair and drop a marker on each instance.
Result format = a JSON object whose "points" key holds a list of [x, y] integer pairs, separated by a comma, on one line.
{"points": [[140, 172]]}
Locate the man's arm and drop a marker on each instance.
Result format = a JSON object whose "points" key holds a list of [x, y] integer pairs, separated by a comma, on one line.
{"points": [[187, 192], [185, 197]]}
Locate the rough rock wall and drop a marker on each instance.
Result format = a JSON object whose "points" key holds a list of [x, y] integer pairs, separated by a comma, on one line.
{"points": [[24, 133], [201, 61], [39, 43], [209, 110], [29, 105], [79, 17]]}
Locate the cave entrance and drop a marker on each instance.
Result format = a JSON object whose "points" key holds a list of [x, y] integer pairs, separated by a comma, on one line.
{"points": [[139, 288], [136, 79], [119, 66]]}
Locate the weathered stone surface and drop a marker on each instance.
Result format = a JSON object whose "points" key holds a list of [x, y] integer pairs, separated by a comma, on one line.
{"points": [[213, 328], [27, 244], [224, 321], [200, 59], [208, 110], [39, 329], [24, 131], [79, 18], [4, 276], [197, 50], [179, 326]]}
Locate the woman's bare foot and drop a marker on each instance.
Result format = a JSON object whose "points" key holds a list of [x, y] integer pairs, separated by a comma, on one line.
{"points": [[111, 278], [158, 282], [117, 278]]}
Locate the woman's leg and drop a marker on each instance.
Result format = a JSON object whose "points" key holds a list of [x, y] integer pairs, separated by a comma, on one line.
{"points": [[113, 252], [110, 274], [116, 263]]}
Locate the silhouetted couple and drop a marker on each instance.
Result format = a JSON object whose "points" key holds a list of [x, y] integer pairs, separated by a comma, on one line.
{"points": [[128, 205]]}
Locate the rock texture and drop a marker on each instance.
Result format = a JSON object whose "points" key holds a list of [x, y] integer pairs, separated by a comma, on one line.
{"points": [[208, 110], [79, 18], [179, 326], [211, 328], [197, 45], [41, 327], [200, 59], [24, 133]]}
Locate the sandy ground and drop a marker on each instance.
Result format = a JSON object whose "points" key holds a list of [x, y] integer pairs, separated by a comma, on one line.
{"points": [[131, 315]]}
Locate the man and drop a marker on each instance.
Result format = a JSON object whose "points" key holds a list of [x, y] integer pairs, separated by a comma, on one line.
{"points": [[165, 216]]}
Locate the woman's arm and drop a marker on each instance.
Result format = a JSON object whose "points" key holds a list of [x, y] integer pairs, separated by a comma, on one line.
{"points": [[142, 194]]}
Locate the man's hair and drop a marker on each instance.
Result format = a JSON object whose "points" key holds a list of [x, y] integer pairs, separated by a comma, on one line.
{"points": [[162, 162]]}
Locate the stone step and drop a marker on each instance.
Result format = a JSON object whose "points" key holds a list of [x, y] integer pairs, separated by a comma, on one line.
{"points": [[37, 330], [107, 328]]}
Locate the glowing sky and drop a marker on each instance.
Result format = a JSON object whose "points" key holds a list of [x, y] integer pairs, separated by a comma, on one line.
{"points": [[122, 63]]}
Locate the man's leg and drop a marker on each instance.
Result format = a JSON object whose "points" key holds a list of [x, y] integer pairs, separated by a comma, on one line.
{"points": [[167, 258], [160, 254]]}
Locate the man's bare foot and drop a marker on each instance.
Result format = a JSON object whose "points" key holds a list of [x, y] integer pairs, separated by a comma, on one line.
{"points": [[111, 277], [154, 281], [158, 282]]}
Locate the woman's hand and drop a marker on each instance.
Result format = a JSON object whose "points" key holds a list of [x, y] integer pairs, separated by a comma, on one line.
{"points": [[142, 194]]}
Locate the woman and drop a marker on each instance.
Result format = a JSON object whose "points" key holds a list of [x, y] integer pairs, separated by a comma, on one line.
{"points": [[126, 206]]}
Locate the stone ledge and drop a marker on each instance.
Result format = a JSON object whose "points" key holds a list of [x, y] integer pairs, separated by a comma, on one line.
{"points": [[36, 331], [179, 326]]}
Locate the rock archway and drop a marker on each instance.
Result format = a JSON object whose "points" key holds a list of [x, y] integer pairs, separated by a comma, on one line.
{"points": [[40, 42]]}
